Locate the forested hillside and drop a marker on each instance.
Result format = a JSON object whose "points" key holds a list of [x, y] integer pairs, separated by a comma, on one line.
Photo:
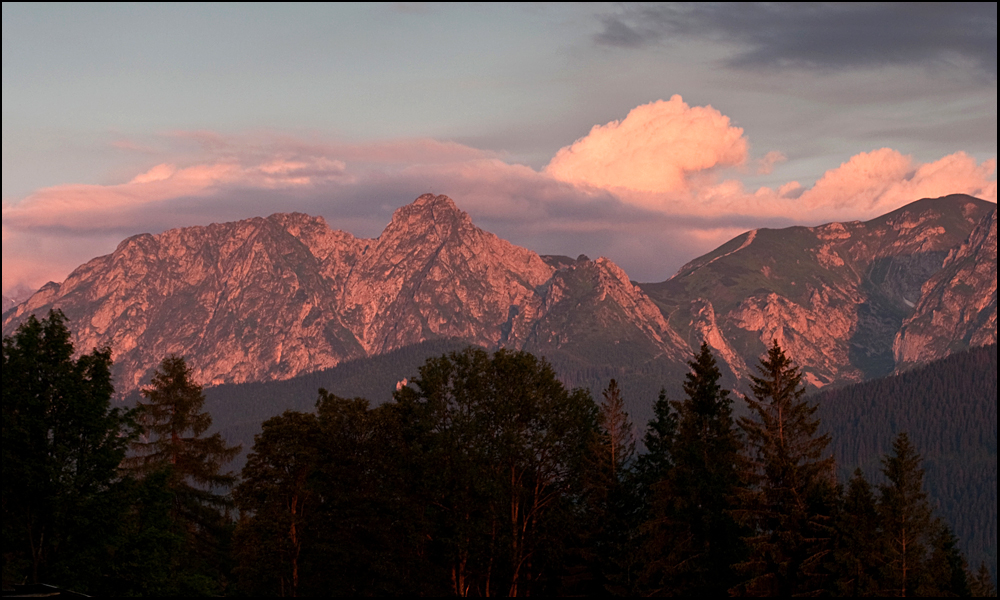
{"points": [[239, 409], [484, 475], [949, 410]]}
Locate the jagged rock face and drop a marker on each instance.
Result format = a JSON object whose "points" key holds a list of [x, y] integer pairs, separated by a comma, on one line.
{"points": [[833, 296], [246, 301], [432, 273], [958, 307], [273, 298], [593, 313]]}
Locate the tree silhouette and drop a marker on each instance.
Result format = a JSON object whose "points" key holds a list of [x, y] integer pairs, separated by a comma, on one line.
{"points": [[276, 502], [790, 496], [174, 426], [500, 450], [612, 504], [62, 445], [906, 517], [694, 539], [982, 584]]}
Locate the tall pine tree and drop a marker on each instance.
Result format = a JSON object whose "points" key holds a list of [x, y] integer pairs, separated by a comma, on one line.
{"points": [[174, 443], [612, 504], [858, 551], [694, 538], [789, 499]]}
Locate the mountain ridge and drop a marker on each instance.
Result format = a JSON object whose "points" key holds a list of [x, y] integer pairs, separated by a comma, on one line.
{"points": [[271, 298]]}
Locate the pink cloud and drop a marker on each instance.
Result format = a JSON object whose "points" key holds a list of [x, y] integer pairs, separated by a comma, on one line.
{"points": [[645, 191], [765, 166], [874, 183], [663, 156], [653, 149], [75, 207]]}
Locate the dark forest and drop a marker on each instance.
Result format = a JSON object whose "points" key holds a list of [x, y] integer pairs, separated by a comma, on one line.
{"points": [[485, 476]]}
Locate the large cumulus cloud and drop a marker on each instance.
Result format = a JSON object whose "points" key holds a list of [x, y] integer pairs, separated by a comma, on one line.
{"points": [[653, 149]]}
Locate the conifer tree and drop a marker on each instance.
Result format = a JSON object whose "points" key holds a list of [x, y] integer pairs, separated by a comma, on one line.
{"points": [[789, 499], [696, 539], [982, 584], [611, 501], [858, 553], [653, 466], [174, 443], [906, 518], [616, 432], [946, 570], [707, 467]]}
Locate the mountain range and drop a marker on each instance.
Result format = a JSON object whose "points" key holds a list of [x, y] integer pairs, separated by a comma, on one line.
{"points": [[274, 298]]}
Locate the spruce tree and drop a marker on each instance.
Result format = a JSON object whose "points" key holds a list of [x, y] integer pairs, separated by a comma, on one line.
{"points": [[982, 584], [906, 518], [707, 467], [695, 539], [859, 548], [789, 499], [653, 466], [946, 571], [174, 443]]}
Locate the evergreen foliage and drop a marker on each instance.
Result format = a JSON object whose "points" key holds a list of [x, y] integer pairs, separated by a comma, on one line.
{"points": [[62, 444], [694, 540], [906, 518], [610, 540], [173, 443], [982, 585], [858, 553], [484, 476], [949, 410], [789, 499], [655, 464]]}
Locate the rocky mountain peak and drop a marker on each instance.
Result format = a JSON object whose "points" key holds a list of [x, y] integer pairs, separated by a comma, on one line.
{"points": [[429, 212], [277, 297]]}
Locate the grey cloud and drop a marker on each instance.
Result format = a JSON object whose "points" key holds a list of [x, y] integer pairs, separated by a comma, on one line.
{"points": [[820, 35]]}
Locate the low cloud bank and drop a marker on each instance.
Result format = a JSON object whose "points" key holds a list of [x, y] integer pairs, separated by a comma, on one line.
{"points": [[650, 191]]}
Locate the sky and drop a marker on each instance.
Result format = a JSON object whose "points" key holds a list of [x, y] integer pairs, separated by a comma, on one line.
{"points": [[645, 133]]}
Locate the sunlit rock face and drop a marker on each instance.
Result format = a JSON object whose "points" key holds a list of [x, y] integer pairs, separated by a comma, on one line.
{"points": [[243, 301], [835, 296], [958, 306], [272, 298], [433, 274]]}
